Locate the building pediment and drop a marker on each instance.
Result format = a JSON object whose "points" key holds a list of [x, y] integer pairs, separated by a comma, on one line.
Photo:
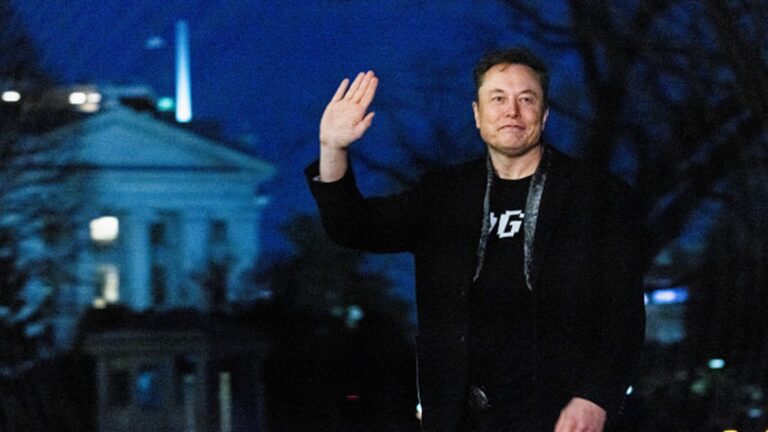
{"points": [[121, 138]]}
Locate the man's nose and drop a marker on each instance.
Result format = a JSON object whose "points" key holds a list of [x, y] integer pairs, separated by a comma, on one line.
{"points": [[512, 109]]}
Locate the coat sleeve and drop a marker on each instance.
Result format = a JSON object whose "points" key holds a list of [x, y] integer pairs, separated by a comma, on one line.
{"points": [[611, 368], [378, 224]]}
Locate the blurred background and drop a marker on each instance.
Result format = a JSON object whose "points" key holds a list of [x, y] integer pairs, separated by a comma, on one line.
{"points": [[162, 267]]}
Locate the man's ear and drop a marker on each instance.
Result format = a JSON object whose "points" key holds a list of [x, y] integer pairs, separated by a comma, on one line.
{"points": [[475, 111]]}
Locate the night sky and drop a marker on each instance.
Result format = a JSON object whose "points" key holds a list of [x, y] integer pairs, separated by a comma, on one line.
{"points": [[265, 69]]}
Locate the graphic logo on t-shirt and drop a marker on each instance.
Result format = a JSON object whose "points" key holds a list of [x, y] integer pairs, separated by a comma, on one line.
{"points": [[509, 223]]}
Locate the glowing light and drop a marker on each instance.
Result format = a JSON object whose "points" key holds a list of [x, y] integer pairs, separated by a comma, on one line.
{"points": [[105, 229], [630, 390], [670, 296], [353, 397], [89, 107], [155, 42], [11, 96], [77, 98], [183, 91], [93, 98], [716, 363], [165, 104], [111, 283]]}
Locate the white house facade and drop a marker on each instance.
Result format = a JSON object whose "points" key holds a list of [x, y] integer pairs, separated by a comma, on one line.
{"points": [[172, 217]]}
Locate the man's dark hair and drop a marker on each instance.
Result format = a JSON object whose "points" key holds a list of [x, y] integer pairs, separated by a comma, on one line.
{"points": [[515, 55]]}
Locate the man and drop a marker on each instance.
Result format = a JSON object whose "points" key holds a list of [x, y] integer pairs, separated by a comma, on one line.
{"points": [[528, 287]]}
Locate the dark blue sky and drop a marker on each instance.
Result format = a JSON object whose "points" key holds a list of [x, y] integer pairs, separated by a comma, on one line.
{"points": [[265, 69]]}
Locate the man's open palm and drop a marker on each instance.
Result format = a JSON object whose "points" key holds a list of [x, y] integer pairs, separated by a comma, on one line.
{"points": [[346, 118]]}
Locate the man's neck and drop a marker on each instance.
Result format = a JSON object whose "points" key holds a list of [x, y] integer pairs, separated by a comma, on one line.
{"points": [[518, 166]]}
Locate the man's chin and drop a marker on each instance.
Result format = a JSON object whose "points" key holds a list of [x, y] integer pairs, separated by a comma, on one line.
{"points": [[515, 150]]}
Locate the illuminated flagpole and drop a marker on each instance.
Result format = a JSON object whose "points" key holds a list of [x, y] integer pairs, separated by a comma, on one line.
{"points": [[183, 85]]}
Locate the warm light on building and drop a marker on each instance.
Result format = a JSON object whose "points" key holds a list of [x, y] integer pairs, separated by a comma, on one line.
{"points": [[11, 96], [105, 229], [85, 101], [93, 98], [77, 98], [109, 286]]}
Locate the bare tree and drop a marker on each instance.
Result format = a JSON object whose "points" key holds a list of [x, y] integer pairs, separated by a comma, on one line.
{"points": [[38, 202]]}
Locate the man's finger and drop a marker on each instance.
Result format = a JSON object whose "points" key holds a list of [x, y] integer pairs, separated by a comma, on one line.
{"points": [[355, 85], [368, 119], [360, 91], [340, 91], [369, 93]]}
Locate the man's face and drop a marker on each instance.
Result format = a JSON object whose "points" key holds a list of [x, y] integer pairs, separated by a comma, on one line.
{"points": [[509, 111]]}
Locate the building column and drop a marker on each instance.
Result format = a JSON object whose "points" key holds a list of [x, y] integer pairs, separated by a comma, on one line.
{"points": [[193, 253], [136, 289], [243, 241]]}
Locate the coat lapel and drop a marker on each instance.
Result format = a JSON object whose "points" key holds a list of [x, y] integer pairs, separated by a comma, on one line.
{"points": [[558, 183]]}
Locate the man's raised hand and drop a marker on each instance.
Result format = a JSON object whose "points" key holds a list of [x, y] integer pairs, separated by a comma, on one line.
{"points": [[346, 118]]}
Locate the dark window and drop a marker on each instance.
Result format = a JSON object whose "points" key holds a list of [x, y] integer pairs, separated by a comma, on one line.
{"points": [[218, 232], [184, 366], [157, 234], [119, 388], [159, 285]]}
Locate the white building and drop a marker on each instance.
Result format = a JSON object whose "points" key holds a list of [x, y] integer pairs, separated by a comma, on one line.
{"points": [[172, 217]]}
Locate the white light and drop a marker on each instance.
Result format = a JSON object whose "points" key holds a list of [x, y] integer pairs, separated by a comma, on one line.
{"points": [[716, 363], [111, 283], [630, 389], [105, 229], [93, 98], [670, 296], [89, 107], [77, 98], [11, 96]]}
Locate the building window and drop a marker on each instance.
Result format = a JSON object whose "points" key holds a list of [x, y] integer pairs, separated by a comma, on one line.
{"points": [[157, 234], [215, 283], [119, 390], [159, 285], [105, 230], [218, 233], [107, 286], [148, 394], [185, 371]]}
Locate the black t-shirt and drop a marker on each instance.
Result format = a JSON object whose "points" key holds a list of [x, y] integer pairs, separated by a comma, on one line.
{"points": [[502, 343]]}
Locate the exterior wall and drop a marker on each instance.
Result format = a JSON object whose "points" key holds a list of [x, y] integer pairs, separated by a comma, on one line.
{"points": [[131, 396], [155, 178]]}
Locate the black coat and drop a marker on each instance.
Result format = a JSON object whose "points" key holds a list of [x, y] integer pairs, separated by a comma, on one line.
{"points": [[585, 274]]}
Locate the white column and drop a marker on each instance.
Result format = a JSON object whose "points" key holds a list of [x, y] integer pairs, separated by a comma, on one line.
{"points": [[135, 289], [225, 402], [193, 250], [190, 403], [243, 242]]}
